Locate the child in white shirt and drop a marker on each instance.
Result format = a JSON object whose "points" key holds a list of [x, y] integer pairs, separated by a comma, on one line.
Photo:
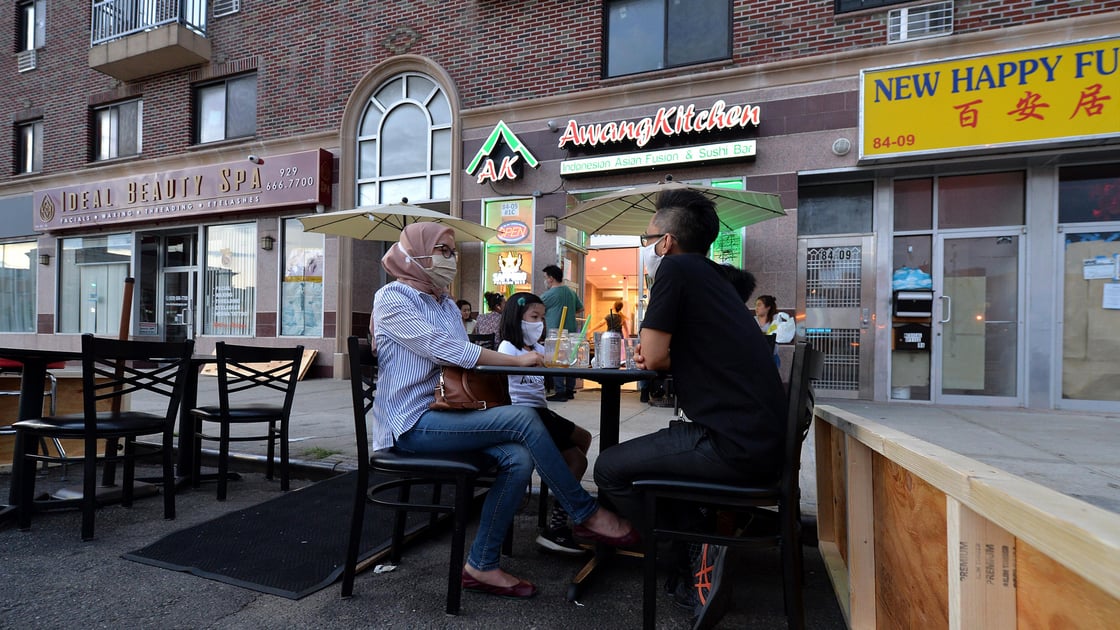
{"points": [[521, 330]]}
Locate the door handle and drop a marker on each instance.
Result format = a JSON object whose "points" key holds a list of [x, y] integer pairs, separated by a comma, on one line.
{"points": [[946, 309]]}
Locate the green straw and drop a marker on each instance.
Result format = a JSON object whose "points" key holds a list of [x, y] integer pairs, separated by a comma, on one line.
{"points": [[579, 340]]}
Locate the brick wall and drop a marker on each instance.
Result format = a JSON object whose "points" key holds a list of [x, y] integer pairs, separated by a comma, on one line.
{"points": [[310, 54]]}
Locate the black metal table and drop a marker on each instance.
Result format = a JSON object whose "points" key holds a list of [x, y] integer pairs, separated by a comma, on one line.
{"points": [[32, 381], [611, 381]]}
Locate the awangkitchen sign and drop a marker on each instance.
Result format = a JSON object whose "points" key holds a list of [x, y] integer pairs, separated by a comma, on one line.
{"points": [[1060, 93], [669, 125]]}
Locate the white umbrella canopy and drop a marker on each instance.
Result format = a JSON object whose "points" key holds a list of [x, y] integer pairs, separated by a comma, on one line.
{"points": [[627, 211], [385, 222]]}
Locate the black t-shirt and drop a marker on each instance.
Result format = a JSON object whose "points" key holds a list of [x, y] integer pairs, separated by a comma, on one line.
{"points": [[723, 370]]}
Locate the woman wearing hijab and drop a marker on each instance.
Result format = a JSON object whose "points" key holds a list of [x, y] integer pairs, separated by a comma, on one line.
{"points": [[417, 327]]}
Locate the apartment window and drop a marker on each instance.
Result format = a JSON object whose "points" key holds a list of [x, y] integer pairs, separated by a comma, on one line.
{"points": [[645, 35], [32, 25], [118, 130], [17, 281], [404, 142], [227, 109], [844, 6], [29, 143]]}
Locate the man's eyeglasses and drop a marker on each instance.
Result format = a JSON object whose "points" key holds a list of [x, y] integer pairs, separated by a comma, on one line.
{"points": [[443, 249], [650, 238]]}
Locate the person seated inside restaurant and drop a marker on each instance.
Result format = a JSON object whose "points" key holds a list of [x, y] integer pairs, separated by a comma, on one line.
{"points": [[522, 330], [697, 329], [466, 312], [417, 327]]}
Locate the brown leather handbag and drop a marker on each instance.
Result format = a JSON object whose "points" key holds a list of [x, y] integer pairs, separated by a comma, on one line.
{"points": [[460, 389]]}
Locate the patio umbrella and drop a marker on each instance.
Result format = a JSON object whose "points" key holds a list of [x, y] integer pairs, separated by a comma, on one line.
{"points": [[627, 211], [385, 222]]}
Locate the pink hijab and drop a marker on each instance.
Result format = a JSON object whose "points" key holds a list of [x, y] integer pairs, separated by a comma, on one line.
{"points": [[417, 239]]}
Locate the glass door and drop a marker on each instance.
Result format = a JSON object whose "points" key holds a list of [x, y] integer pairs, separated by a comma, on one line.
{"points": [[178, 304], [977, 340]]}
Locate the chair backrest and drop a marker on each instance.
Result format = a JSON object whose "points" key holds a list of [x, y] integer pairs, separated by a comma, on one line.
{"points": [[112, 369], [363, 383], [244, 368], [486, 340], [807, 366]]}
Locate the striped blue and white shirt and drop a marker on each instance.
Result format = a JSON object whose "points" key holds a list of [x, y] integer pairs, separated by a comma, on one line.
{"points": [[414, 334]]}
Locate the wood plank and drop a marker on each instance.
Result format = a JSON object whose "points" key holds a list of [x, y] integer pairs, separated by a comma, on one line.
{"points": [[826, 497], [861, 528], [840, 491], [910, 559], [1085, 538], [1052, 596], [838, 575], [308, 358], [981, 558]]}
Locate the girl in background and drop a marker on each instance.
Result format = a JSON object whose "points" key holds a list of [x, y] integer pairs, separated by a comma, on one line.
{"points": [[522, 328], [488, 323]]}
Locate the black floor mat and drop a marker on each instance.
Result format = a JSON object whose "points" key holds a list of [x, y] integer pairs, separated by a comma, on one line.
{"points": [[289, 546]]}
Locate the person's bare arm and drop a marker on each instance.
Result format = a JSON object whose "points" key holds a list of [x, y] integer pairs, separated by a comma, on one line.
{"points": [[493, 357], [653, 351]]}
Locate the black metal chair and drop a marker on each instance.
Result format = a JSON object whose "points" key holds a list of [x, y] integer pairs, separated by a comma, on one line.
{"points": [[244, 369], [784, 494], [109, 373], [463, 470]]}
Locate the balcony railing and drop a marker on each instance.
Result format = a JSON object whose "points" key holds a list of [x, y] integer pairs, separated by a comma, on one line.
{"points": [[114, 19]]}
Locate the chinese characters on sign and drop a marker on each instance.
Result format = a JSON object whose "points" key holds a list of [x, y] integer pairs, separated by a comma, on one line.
{"points": [[1055, 93]]}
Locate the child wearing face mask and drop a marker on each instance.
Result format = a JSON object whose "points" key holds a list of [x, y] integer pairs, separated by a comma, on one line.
{"points": [[521, 330]]}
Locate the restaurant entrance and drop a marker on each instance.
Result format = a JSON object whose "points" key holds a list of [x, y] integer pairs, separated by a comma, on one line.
{"points": [[977, 329], [167, 285]]}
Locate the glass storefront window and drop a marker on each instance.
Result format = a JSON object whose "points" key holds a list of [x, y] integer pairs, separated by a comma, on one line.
{"points": [[301, 288], [230, 287], [966, 201], [834, 209], [17, 284], [92, 270], [1089, 193], [1090, 317], [913, 204]]}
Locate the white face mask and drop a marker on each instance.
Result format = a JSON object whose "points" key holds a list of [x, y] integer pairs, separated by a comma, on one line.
{"points": [[532, 331], [442, 271], [651, 259]]}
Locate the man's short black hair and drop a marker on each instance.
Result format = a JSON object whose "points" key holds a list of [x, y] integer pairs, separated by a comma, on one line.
{"points": [[554, 272], [690, 217]]}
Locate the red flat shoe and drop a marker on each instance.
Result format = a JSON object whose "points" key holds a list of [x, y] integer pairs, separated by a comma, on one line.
{"points": [[521, 590], [630, 539]]}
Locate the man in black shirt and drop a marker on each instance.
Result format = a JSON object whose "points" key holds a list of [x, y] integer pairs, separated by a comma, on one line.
{"points": [[697, 328]]}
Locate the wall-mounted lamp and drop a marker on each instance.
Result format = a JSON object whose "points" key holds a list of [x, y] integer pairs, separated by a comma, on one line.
{"points": [[551, 224], [44, 259], [267, 242]]}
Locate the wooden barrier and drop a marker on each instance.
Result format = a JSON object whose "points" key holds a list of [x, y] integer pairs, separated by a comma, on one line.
{"points": [[917, 536]]}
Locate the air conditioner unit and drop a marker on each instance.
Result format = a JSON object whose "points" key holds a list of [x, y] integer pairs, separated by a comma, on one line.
{"points": [[26, 60], [226, 7], [920, 22]]}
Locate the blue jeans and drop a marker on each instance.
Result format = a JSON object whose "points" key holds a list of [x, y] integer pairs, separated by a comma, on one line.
{"points": [[516, 438]]}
